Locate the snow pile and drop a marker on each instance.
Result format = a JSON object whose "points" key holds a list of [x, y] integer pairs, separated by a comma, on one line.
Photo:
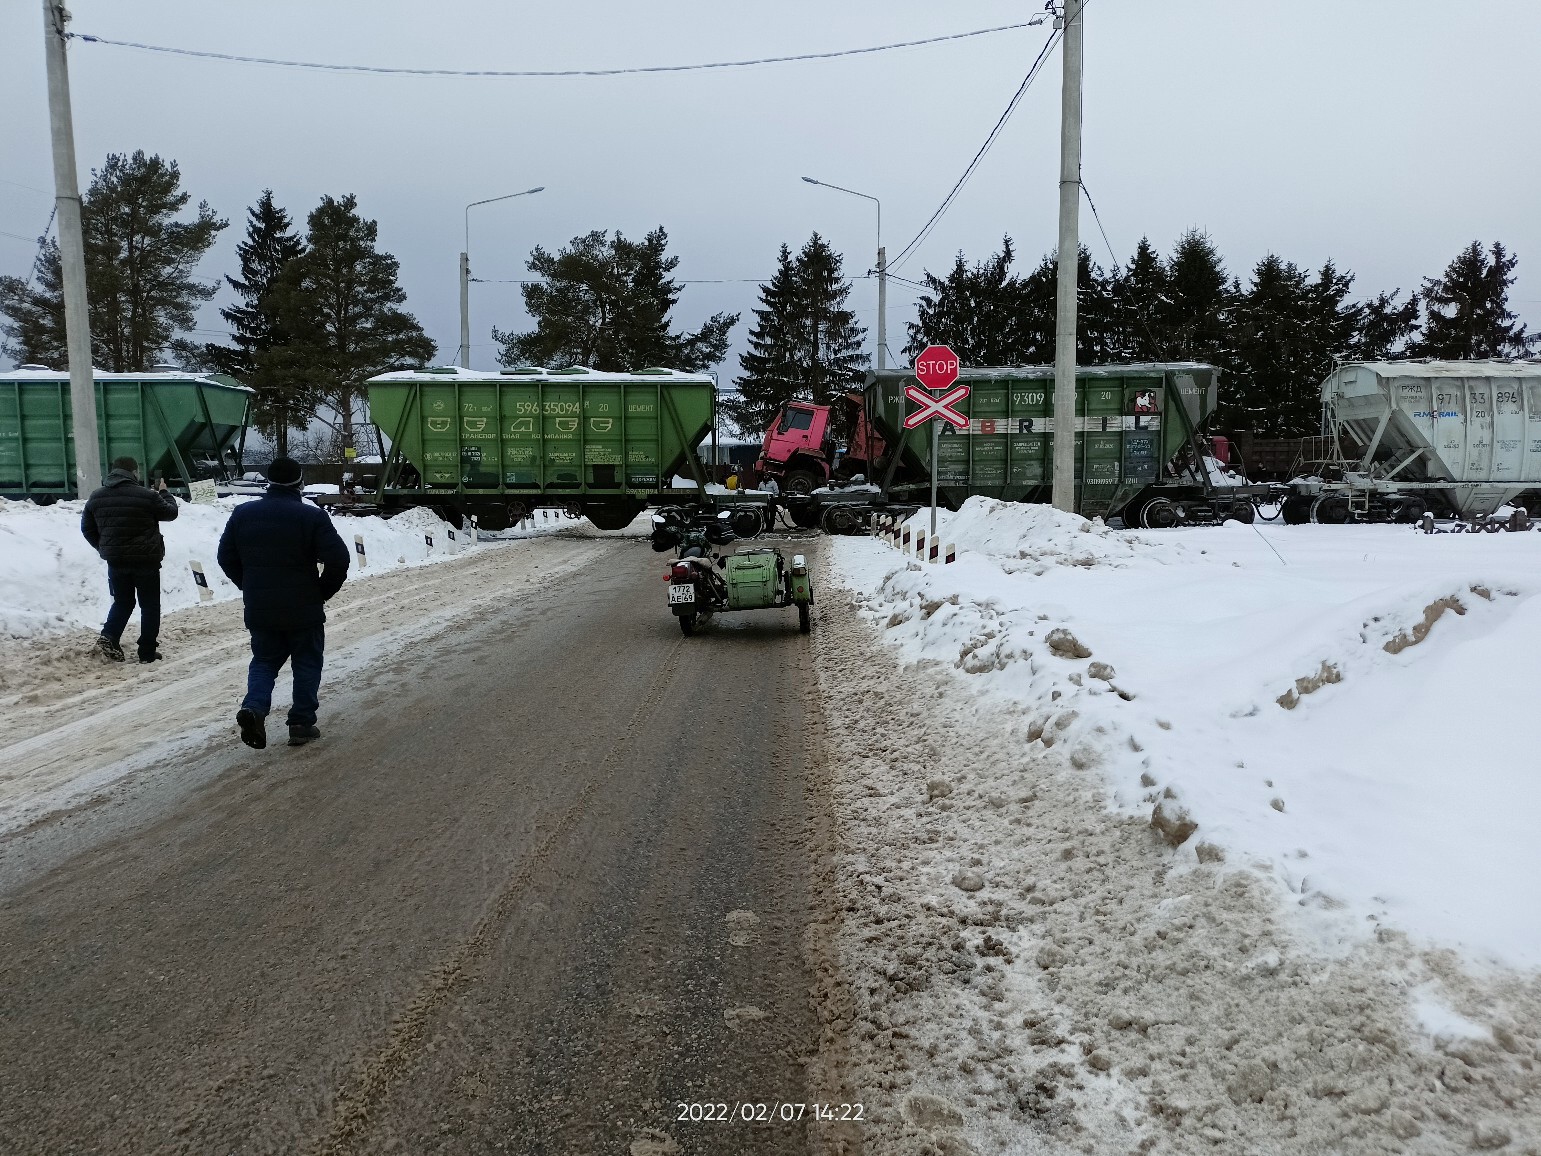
{"points": [[1344, 708], [1023, 970], [51, 580]]}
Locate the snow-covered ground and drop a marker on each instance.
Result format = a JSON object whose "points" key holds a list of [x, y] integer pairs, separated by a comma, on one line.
{"points": [[1028, 965], [52, 581], [1350, 709]]}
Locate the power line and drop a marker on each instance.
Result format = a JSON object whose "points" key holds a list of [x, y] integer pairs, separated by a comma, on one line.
{"points": [[528, 73], [1098, 219], [1011, 107]]}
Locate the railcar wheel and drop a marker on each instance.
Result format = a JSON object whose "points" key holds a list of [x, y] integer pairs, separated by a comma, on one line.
{"points": [[1408, 510], [1296, 510], [1243, 512], [1159, 514], [805, 515], [747, 523], [1330, 510]]}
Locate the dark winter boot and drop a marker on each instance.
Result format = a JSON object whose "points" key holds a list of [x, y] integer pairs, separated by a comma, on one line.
{"points": [[108, 649], [300, 735], [254, 731], [151, 655]]}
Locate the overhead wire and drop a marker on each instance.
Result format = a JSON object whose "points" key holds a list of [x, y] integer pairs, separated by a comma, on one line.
{"points": [[952, 195], [317, 66]]}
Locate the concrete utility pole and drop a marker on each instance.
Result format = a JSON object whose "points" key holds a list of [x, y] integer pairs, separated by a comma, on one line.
{"points": [[465, 310], [882, 301], [1063, 497], [72, 255]]}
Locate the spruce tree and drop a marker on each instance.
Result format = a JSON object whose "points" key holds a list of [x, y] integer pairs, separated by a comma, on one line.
{"points": [[139, 270], [1140, 296], [338, 305], [1467, 310], [976, 311], [1287, 332], [1385, 327], [1098, 324], [1193, 315], [806, 344], [769, 365], [283, 402], [605, 302]]}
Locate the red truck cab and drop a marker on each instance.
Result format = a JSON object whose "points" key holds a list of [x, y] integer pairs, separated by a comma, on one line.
{"points": [[800, 450]]}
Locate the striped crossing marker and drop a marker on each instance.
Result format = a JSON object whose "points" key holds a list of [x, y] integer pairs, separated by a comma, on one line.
{"points": [[358, 548]]}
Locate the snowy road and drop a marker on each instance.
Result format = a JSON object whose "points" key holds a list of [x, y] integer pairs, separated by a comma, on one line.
{"points": [[547, 876]]}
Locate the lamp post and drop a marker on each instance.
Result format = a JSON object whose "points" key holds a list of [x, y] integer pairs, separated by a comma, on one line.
{"points": [[882, 269], [465, 274]]}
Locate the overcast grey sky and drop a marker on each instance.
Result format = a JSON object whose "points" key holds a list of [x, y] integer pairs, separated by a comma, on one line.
{"points": [[1385, 134]]}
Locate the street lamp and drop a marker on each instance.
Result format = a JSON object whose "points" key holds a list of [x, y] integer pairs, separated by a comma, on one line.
{"points": [[465, 274], [882, 269]]}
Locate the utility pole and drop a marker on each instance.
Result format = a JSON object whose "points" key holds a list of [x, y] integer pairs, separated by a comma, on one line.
{"points": [[1071, 18], [882, 301], [72, 255], [465, 310]]}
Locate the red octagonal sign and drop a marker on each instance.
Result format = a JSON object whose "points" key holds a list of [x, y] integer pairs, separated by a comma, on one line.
{"points": [[936, 367]]}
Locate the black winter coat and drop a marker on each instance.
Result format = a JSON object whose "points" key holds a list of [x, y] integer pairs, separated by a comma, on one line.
{"points": [[121, 521], [271, 548]]}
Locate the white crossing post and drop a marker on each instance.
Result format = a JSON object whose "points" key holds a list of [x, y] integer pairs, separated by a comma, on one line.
{"points": [[201, 580], [358, 548]]}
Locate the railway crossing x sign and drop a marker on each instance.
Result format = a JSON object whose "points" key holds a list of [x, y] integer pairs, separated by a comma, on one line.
{"points": [[933, 407]]}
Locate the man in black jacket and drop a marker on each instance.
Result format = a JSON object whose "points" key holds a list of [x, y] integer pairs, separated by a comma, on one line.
{"points": [[122, 523], [271, 549]]}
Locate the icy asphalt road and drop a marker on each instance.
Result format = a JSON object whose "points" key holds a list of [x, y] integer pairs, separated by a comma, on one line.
{"points": [[490, 911]]}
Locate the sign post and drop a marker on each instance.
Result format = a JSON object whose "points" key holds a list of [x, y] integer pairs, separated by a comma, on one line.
{"points": [[936, 368]]}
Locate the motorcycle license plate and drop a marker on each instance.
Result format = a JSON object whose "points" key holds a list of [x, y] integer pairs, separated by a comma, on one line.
{"points": [[679, 594]]}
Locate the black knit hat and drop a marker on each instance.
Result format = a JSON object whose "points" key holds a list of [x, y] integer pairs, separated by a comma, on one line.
{"points": [[285, 472]]}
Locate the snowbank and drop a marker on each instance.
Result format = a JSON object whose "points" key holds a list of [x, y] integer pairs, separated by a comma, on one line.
{"points": [[1346, 708], [51, 580]]}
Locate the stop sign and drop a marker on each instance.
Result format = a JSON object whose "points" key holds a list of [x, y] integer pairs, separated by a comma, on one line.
{"points": [[936, 367]]}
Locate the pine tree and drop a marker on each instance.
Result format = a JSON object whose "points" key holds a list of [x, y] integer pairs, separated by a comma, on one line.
{"points": [[139, 263], [338, 305], [806, 344], [282, 402], [604, 302], [1468, 309]]}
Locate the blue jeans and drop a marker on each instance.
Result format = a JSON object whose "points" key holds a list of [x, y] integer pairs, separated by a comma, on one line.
{"points": [[302, 649], [125, 583]]}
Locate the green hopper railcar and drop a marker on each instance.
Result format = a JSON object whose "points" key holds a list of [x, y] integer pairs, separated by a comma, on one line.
{"points": [[177, 425], [1133, 422], [496, 445]]}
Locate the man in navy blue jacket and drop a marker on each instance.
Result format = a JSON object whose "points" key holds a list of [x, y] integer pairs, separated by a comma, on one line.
{"points": [[272, 549]]}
